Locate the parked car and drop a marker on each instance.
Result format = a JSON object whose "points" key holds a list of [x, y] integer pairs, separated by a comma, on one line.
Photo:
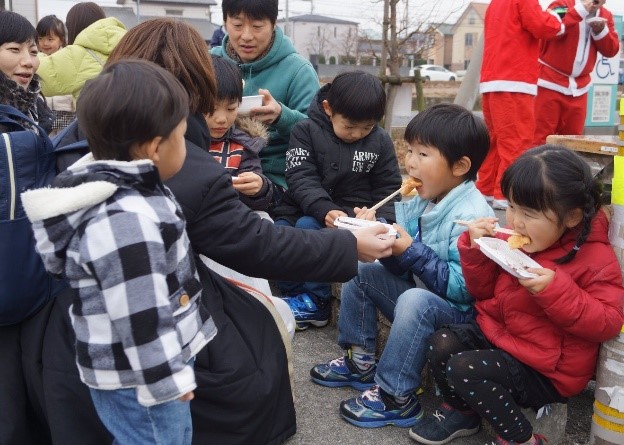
{"points": [[621, 78], [435, 72]]}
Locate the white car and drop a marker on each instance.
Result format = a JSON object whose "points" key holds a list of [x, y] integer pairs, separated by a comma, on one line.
{"points": [[435, 72]]}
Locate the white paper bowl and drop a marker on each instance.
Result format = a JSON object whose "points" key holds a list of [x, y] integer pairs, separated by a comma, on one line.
{"points": [[248, 103]]}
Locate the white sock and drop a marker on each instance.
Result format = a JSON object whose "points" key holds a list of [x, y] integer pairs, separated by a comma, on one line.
{"points": [[363, 359]]}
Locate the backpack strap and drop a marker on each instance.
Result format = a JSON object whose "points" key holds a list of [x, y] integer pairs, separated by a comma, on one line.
{"points": [[97, 59]]}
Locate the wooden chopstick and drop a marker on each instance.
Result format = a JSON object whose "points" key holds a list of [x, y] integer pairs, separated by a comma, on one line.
{"points": [[385, 200], [461, 222]]}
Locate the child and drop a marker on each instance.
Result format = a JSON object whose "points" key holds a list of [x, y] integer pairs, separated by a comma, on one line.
{"points": [[236, 142], [116, 233], [339, 161], [421, 286], [535, 340], [51, 37]]}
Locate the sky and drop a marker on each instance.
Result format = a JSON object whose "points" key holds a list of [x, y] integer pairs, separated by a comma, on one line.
{"points": [[366, 12]]}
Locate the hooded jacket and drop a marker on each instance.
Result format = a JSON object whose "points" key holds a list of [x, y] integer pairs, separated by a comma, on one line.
{"points": [[324, 173], [557, 331], [238, 151], [67, 70], [114, 231], [433, 256], [292, 81]]}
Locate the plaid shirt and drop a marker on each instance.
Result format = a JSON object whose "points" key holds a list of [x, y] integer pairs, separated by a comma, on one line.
{"points": [[116, 233]]}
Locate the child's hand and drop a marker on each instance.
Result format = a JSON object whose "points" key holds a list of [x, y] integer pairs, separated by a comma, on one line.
{"points": [[404, 240], [536, 285], [372, 244], [270, 109], [364, 213], [187, 397], [248, 183], [331, 217], [481, 227]]}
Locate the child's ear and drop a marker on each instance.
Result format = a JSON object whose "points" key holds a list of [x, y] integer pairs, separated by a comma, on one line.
{"points": [[573, 218], [461, 167], [327, 108], [147, 150]]}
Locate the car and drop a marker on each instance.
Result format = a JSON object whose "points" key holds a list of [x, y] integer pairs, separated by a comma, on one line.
{"points": [[435, 72], [621, 78]]}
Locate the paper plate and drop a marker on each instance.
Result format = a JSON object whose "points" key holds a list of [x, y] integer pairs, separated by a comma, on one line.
{"points": [[346, 222], [514, 261]]}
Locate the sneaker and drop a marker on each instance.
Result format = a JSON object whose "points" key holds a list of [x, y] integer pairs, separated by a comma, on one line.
{"points": [[444, 425], [343, 372], [500, 204], [374, 409], [307, 312], [539, 440]]}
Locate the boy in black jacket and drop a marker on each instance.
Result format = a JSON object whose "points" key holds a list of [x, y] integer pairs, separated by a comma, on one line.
{"points": [[339, 162]]}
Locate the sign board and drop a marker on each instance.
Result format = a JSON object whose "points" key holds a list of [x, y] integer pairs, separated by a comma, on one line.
{"points": [[602, 95]]}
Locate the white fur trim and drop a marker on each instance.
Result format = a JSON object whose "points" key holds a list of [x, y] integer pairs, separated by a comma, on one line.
{"points": [[46, 203]]}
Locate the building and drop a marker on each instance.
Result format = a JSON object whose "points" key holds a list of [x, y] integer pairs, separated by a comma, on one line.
{"points": [[196, 13], [329, 38], [27, 8], [454, 44]]}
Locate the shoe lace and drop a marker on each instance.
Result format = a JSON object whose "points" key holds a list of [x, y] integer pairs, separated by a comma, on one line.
{"points": [[337, 362], [439, 415], [372, 394]]}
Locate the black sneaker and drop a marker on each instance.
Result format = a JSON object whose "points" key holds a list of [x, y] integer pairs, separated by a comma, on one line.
{"points": [[444, 425], [343, 372]]}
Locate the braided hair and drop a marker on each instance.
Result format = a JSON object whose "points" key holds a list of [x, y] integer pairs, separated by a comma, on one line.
{"points": [[551, 177]]}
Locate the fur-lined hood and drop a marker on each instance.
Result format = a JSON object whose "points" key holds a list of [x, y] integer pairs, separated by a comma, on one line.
{"points": [[250, 133]]}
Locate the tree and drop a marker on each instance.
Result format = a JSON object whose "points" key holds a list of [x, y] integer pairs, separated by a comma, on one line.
{"points": [[398, 33], [348, 44], [318, 42]]}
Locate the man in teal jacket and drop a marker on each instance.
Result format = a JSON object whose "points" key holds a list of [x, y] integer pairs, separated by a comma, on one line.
{"points": [[270, 66]]}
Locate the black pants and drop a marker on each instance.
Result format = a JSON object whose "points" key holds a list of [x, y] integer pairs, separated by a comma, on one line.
{"points": [[22, 411], [472, 374]]}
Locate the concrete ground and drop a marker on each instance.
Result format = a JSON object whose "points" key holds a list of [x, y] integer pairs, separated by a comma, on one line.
{"points": [[318, 419]]}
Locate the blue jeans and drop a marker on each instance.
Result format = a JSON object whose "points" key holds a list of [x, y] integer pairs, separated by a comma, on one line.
{"points": [[132, 423], [319, 291], [415, 313]]}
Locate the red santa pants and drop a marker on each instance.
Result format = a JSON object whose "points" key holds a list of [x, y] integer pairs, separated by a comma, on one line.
{"points": [[510, 119], [556, 113]]}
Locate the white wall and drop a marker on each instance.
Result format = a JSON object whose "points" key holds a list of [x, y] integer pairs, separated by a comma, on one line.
{"points": [[307, 38], [27, 8]]}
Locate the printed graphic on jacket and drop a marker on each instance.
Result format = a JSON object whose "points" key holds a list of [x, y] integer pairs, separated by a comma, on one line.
{"points": [[228, 154]]}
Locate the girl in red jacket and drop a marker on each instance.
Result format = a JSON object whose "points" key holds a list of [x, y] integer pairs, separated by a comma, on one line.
{"points": [[535, 340]]}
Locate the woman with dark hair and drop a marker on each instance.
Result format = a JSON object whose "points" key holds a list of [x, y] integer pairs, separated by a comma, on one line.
{"points": [[24, 292], [91, 38]]}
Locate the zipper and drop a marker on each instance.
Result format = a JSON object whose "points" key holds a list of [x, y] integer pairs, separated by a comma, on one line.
{"points": [[7, 142]]}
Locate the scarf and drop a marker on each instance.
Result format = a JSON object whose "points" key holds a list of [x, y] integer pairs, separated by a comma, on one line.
{"points": [[29, 101]]}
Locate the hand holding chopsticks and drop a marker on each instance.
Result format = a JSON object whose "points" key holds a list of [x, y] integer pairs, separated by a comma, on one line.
{"points": [[461, 222]]}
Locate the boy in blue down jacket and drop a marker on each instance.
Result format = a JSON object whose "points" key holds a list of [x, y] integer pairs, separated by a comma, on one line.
{"points": [[421, 286], [338, 163]]}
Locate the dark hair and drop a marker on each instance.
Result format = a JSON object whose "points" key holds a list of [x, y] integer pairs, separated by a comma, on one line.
{"points": [[550, 177], [255, 9], [80, 16], [130, 102], [178, 48], [51, 25], [455, 131], [358, 96], [229, 79], [15, 28]]}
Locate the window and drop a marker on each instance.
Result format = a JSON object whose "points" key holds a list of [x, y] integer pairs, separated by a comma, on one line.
{"points": [[335, 32], [468, 39], [471, 18], [318, 31], [174, 12]]}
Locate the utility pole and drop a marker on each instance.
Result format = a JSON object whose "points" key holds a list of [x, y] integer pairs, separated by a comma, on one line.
{"points": [[286, 23]]}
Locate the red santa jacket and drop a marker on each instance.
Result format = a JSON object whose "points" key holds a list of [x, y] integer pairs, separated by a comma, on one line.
{"points": [[567, 61], [559, 330], [512, 32]]}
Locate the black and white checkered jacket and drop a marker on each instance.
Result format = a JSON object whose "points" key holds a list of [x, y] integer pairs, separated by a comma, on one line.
{"points": [[116, 233]]}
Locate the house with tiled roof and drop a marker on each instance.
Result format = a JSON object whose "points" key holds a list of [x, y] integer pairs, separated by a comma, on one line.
{"points": [[455, 43], [327, 37], [197, 13]]}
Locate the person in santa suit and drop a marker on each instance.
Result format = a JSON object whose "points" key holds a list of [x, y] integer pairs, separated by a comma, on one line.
{"points": [[513, 29], [566, 63]]}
